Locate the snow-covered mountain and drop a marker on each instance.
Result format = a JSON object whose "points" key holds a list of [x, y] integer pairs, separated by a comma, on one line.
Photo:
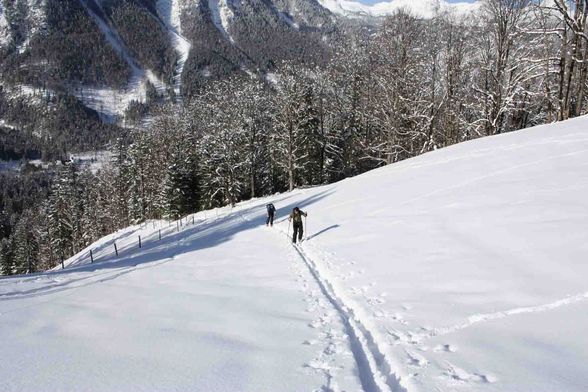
{"points": [[422, 8], [109, 60], [161, 42], [459, 270]]}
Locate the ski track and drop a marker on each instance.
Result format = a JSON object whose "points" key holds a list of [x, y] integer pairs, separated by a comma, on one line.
{"points": [[375, 372], [480, 318]]}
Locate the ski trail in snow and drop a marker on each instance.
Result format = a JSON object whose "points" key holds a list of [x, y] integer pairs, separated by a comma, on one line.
{"points": [[374, 369], [480, 318]]}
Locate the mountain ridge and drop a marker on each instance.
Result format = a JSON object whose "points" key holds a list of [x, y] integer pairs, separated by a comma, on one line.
{"points": [[122, 58]]}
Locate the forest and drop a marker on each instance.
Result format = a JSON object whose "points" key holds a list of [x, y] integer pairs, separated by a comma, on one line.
{"points": [[410, 86]]}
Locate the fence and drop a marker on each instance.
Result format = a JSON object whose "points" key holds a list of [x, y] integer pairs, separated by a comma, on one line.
{"points": [[108, 250], [99, 254]]}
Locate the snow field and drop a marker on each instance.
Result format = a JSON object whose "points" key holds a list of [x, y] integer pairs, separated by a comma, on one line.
{"points": [[248, 337], [459, 270], [469, 238]]}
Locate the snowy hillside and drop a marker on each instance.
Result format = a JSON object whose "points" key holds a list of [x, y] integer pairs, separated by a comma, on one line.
{"points": [[422, 8], [460, 270], [4, 32]]}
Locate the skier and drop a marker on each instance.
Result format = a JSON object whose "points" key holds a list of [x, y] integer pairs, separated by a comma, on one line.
{"points": [[271, 210], [296, 216]]}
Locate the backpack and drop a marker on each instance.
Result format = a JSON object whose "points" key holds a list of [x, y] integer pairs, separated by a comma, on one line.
{"points": [[270, 208]]}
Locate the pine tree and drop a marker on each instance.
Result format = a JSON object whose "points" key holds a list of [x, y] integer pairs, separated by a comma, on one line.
{"points": [[7, 266], [25, 246], [62, 218], [172, 191], [294, 123]]}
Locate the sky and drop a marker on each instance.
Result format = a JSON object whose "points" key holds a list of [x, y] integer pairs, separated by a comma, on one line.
{"points": [[370, 2]]}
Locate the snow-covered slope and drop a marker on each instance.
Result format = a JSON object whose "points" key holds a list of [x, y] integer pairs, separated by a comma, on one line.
{"points": [[110, 102], [4, 31], [170, 11], [423, 8], [221, 17], [460, 270]]}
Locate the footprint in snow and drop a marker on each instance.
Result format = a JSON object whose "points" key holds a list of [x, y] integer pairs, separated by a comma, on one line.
{"points": [[447, 348], [406, 338], [318, 364], [458, 374], [376, 301], [417, 360], [399, 318], [317, 323], [330, 349]]}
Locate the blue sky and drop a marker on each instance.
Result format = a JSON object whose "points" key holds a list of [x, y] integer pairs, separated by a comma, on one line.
{"points": [[378, 1]]}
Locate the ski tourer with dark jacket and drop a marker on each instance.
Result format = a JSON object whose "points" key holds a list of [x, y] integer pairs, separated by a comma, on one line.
{"points": [[271, 211], [296, 217]]}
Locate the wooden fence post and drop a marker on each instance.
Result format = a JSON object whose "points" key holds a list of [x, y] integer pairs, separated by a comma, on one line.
{"points": [[139, 242], [91, 256], [159, 234], [62, 266], [115, 249]]}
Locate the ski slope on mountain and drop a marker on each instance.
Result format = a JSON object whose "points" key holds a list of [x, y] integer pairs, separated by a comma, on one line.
{"points": [[459, 270]]}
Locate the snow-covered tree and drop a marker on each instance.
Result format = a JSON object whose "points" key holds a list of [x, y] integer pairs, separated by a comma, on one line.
{"points": [[25, 246], [7, 266]]}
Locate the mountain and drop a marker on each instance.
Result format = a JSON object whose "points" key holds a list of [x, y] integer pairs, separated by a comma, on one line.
{"points": [[73, 72], [460, 269]]}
